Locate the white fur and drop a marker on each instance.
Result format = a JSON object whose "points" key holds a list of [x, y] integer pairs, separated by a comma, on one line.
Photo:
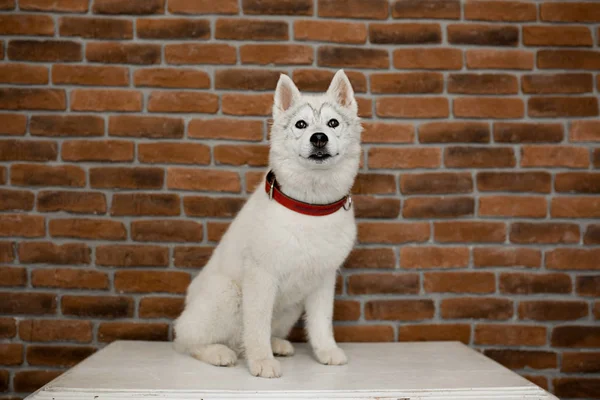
{"points": [[273, 264]]}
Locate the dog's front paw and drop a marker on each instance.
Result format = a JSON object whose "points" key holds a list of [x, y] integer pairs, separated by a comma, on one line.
{"points": [[282, 347], [265, 368], [335, 356]]}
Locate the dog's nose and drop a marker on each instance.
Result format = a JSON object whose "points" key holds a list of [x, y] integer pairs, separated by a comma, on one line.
{"points": [[319, 139]]}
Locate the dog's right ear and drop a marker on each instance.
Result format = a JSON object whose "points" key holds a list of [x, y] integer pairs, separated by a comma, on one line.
{"points": [[286, 94]]}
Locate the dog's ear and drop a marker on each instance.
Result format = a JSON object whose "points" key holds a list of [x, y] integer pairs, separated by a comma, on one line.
{"points": [[341, 90], [286, 94]]}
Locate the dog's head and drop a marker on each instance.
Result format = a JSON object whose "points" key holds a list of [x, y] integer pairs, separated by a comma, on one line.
{"points": [[315, 138]]}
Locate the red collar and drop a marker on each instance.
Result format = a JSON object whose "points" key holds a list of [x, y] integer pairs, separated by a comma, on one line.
{"points": [[272, 189]]}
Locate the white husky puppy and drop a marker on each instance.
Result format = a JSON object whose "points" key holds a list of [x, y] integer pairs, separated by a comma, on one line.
{"points": [[275, 261]]}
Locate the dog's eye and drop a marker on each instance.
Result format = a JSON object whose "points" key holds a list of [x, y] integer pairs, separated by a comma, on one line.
{"points": [[301, 124], [333, 123]]}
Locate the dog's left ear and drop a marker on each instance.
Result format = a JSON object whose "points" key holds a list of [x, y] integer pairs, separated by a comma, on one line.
{"points": [[286, 94], [341, 90]]}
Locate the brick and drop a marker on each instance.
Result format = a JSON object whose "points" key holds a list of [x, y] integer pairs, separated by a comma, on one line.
{"points": [[436, 183], [413, 257], [411, 82], [132, 255], [97, 306], [370, 258], [547, 310], [373, 207], [13, 124], [379, 132], [513, 11], [90, 75], [592, 234], [438, 207], [69, 279], [203, 7], [106, 100], [16, 200], [241, 155], [136, 7], [568, 59], [30, 25], [96, 28], [570, 12], [166, 231], [557, 83], [263, 54], [205, 180], [108, 150], [123, 53], [7, 5], [171, 78], [21, 150], [499, 59], [454, 132], [32, 99], [479, 157], [547, 233], [575, 207], [572, 259], [483, 84], [412, 107], [246, 79], [352, 57], [8, 328], [151, 281], [3, 175], [576, 387], [37, 330], [250, 104], [510, 335], [562, 106], [330, 31], [111, 331], [148, 127], [404, 158], [21, 74], [557, 36], [173, 28], [363, 333], [554, 156], [126, 178], [44, 50], [216, 230], [469, 231], [399, 310], [67, 6], [191, 256], [346, 310], [238, 29], [66, 125], [373, 232], [204, 206], [7, 253], [161, 307], [172, 152], [50, 253], [434, 332], [421, 58], [459, 282], [476, 308], [536, 182], [429, 9], [145, 204], [487, 107], [27, 303], [585, 131], [63, 356], [577, 182], [522, 132], [74, 202], [13, 276], [383, 284], [87, 229], [580, 362], [405, 33], [483, 35], [277, 7], [29, 380], [523, 283], [375, 9], [183, 102], [513, 206], [576, 336], [192, 53], [221, 128], [522, 359], [596, 158], [22, 225]]}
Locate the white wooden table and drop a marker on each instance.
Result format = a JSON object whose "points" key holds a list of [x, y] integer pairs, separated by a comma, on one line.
{"points": [[127, 370]]}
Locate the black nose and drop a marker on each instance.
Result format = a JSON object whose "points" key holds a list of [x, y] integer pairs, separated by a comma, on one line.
{"points": [[319, 139]]}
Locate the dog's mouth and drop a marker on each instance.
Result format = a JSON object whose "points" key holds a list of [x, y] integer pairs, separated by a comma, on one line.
{"points": [[320, 157]]}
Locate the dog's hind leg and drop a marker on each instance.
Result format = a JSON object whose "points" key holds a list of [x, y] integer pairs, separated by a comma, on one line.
{"points": [[283, 322]]}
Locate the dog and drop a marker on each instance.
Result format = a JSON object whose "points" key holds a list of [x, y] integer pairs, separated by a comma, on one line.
{"points": [[280, 255]]}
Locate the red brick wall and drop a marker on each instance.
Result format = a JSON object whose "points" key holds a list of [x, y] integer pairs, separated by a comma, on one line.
{"points": [[132, 131]]}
